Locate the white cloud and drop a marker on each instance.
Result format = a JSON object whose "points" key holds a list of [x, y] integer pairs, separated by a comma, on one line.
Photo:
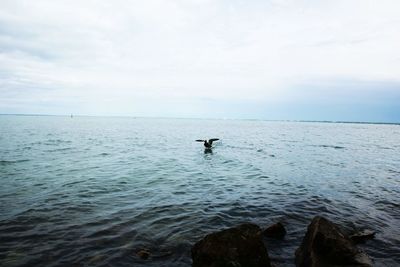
{"points": [[125, 52]]}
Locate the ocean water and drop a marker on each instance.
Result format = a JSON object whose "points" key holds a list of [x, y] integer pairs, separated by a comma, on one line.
{"points": [[92, 191]]}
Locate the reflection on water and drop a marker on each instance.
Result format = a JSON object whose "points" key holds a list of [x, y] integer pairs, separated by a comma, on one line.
{"points": [[95, 191], [208, 151]]}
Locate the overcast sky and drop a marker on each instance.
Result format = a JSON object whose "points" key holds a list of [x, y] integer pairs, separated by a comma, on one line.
{"points": [[273, 59]]}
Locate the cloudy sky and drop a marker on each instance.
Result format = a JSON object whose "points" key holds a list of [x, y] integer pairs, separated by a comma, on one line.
{"points": [[272, 59]]}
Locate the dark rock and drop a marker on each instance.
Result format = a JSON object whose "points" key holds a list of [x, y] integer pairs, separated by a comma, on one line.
{"points": [[325, 245], [276, 230], [241, 246], [362, 236], [143, 254]]}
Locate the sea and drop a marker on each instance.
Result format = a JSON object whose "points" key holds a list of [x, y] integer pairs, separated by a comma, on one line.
{"points": [[94, 191]]}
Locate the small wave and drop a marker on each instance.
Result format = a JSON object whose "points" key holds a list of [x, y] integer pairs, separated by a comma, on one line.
{"points": [[384, 204], [394, 171], [6, 162], [330, 146], [57, 141], [71, 183], [386, 148], [60, 149]]}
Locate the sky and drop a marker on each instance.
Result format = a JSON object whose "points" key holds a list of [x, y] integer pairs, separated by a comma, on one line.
{"points": [[273, 59]]}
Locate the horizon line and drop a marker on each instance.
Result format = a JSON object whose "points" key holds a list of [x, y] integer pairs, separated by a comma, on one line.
{"points": [[197, 118]]}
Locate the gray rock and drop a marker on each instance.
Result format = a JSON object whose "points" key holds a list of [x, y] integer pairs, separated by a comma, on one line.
{"points": [[241, 246], [324, 245]]}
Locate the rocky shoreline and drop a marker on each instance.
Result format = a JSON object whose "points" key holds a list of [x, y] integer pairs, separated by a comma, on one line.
{"points": [[324, 245]]}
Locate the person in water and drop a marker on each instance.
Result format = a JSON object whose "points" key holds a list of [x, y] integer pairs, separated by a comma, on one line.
{"points": [[207, 144]]}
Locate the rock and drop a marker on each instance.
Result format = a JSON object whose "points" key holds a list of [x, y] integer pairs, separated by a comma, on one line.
{"points": [[276, 230], [143, 254], [362, 236], [241, 246], [325, 245]]}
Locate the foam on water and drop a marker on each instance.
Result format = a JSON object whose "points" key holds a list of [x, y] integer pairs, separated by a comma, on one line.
{"points": [[93, 191]]}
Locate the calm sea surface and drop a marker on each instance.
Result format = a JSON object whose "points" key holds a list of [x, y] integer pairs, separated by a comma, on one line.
{"points": [[88, 191]]}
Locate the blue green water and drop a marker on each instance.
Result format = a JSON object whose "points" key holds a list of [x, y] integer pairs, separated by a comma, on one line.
{"points": [[91, 191]]}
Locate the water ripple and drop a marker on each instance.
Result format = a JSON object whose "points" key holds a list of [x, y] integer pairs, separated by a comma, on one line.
{"points": [[95, 191]]}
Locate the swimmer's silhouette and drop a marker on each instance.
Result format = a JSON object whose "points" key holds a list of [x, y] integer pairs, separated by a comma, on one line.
{"points": [[208, 144]]}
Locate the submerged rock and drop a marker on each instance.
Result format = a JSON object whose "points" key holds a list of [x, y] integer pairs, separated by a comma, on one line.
{"points": [[325, 245], [362, 236], [144, 254], [276, 230], [241, 246]]}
